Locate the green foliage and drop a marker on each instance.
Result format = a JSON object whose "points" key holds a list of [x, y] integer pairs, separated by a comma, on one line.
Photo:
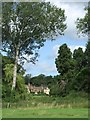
{"points": [[65, 65], [87, 54], [32, 23], [8, 72], [83, 24], [79, 56], [57, 90], [27, 78], [63, 61], [82, 69], [25, 28], [50, 81], [81, 80], [72, 100], [7, 80], [74, 69], [20, 92], [40, 80]]}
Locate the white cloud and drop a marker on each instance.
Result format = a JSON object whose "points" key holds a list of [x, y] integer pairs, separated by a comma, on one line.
{"points": [[73, 10], [55, 50], [40, 68], [66, 1], [73, 47], [28, 66], [46, 67]]}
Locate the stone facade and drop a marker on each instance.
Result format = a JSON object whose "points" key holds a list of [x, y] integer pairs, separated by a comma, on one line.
{"points": [[47, 91], [39, 89]]}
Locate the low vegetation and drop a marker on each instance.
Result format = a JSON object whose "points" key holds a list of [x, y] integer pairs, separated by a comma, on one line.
{"points": [[73, 100], [39, 106]]}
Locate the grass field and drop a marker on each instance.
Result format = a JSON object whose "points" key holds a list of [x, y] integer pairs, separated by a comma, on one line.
{"points": [[71, 106], [45, 112]]}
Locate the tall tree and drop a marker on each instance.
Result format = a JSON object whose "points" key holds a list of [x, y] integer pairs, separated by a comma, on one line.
{"points": [[87, 54], [78, 56], [83, 26], [25, 28], [63, 60]]}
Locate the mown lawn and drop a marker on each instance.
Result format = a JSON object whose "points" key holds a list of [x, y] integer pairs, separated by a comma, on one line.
{"points": [[45, 112]]}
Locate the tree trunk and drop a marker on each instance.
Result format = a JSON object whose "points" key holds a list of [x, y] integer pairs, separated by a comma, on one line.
{"points": [[15, 70]]}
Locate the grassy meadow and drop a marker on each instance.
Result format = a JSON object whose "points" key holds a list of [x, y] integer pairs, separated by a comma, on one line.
{"points": [[45, 112], [71, 106]]}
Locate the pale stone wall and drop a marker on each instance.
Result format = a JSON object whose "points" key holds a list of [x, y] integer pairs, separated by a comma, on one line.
{"points": [[36, 90], [47, 91]]}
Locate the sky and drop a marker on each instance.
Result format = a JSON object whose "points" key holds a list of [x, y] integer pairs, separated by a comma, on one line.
{"points": [[47, 54]]}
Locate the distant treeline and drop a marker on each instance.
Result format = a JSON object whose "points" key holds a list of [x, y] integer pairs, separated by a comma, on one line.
{"points": [[74, 69]]}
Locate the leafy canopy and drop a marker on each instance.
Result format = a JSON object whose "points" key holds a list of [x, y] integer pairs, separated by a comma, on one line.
{"points": [[83, 24], [26, 26], [63, 60]]}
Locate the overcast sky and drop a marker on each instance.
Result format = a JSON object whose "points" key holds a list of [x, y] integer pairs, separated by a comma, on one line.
{"points": [[48, 53]]}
